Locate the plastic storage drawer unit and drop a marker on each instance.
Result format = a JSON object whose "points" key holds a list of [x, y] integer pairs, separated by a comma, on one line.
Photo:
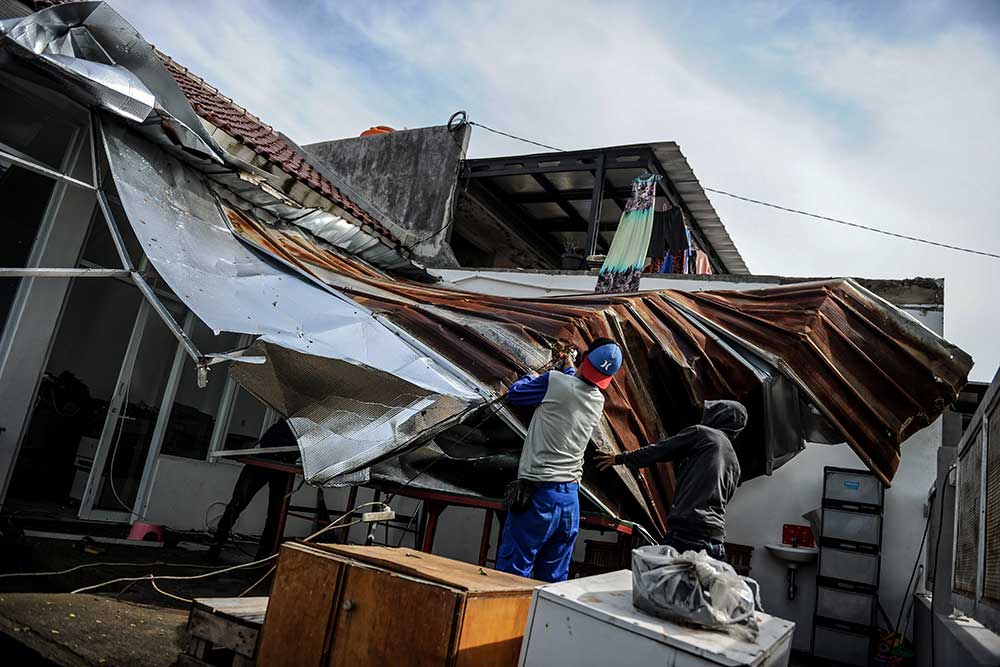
{"points": [[853, 487], [842, 646], [854, 566], [852, 526], [844, 605]]}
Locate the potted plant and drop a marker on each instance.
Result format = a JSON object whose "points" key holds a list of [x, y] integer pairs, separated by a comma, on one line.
{"points": [[572, 258]]}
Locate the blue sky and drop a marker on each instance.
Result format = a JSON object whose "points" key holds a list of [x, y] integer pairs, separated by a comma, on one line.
{"points": [[884, 113]]}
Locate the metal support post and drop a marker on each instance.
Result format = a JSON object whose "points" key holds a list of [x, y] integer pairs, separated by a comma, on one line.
{"points": [[596, 199]]}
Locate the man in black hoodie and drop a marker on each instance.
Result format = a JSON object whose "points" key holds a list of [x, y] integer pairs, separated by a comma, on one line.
{"points": [[707, 474]]}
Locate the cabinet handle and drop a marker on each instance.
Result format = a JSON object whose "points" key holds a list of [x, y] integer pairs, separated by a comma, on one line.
{"points": [[349, 605]]}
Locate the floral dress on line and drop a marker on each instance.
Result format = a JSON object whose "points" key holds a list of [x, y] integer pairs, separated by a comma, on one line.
{"points": [[623, 265]]}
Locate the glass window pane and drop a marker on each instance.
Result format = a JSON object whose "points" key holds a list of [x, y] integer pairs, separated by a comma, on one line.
{"points": [[25, 196], [247, 421], [132, 435], [35, 128], [72, 403], [100, 248], [192, 418]]}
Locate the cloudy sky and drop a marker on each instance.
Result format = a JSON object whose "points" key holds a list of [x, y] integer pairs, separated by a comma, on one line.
{"points": [[887, 114]]}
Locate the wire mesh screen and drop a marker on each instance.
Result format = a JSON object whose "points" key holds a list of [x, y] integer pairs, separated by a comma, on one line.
{"points": [[967, 544], [991, 568]]}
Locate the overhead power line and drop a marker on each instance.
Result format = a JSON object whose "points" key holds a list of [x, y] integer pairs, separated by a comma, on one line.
{"points": [[778, 207], [852, 224], [513, 136]]}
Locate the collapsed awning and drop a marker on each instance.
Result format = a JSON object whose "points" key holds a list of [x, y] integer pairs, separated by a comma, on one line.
{"points": [[354, 388], [826, 361]]}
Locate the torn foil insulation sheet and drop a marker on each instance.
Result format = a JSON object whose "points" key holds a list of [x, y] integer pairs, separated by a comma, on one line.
{"points": [[345, 416], [99, 59], [356, 388]]}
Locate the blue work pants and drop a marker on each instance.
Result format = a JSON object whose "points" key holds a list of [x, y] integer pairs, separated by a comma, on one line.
{"points": [[538, 542]]}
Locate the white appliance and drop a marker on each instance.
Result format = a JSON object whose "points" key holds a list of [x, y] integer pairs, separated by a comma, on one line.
{"points": [[84, 461], [591, 621]]}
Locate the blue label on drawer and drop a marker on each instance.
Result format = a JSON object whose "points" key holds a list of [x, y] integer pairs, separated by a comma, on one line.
{"points": [[852, 485]]}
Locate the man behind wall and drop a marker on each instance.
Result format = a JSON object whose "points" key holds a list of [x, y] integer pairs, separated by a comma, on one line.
{"points": [[541, 528]]}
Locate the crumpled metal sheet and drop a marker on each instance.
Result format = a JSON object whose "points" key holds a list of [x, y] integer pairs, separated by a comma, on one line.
{"points": [[98, 58], [180, 225], [355, 390], [679, 351], [256, 201], [345, 417], [108, 64], [876, 374]]}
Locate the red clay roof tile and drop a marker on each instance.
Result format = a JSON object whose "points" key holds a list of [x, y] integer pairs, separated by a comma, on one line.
{"points": [[251, 131]]}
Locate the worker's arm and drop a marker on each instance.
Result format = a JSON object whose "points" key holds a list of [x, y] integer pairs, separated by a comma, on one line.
{"points": [[666, 450], [530, 389]]}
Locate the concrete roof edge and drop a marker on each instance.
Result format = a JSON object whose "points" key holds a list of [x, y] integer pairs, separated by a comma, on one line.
{"points": [[918, 291]]}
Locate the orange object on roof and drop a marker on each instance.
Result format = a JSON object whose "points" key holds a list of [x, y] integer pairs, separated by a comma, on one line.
{"points": [[378, 129]]}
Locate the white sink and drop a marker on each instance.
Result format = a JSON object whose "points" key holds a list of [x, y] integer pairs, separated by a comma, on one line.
{"points": [[793, 555]]}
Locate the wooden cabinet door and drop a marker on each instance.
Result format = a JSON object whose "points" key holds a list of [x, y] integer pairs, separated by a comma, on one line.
{"points": [[387, 619], [299, 612]]}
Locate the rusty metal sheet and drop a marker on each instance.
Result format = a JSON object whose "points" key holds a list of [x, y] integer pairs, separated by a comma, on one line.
{"points": [[872, 372]]}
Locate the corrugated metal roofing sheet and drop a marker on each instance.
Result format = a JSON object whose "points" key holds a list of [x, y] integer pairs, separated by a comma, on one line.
{"points": [[875, 374]]}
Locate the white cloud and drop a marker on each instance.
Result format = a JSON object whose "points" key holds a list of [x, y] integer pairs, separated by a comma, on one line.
{"points": [[896, 133]]}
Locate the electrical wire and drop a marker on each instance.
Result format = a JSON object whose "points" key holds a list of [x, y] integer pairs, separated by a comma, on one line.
{"points": [[172, 577], [787, 209], [912, 581], [169, 577], [514, 136], [119, 430], [856, 225], [87, 565], [152, 582], [413, 515], [256, 583]]}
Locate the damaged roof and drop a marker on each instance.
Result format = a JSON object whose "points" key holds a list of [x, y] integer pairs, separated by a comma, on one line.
{"points": [[825, 361], [225, 114], [368, 365]]}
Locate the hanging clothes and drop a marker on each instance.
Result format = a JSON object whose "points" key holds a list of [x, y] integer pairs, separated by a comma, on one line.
{"points": [[677, 236], [668, 263], [702, 266], [627, 255], [658, 236]]}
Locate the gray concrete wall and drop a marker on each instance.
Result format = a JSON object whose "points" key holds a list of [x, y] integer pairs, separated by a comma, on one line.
{"points": [[406, 179], [957, 641]]}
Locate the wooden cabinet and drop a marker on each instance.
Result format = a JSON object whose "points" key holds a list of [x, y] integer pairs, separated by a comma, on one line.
{"points": [[339, 606]]}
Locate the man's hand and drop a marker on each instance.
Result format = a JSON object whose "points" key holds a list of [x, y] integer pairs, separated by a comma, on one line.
{"points": [[604, 460], [566, 361]]}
